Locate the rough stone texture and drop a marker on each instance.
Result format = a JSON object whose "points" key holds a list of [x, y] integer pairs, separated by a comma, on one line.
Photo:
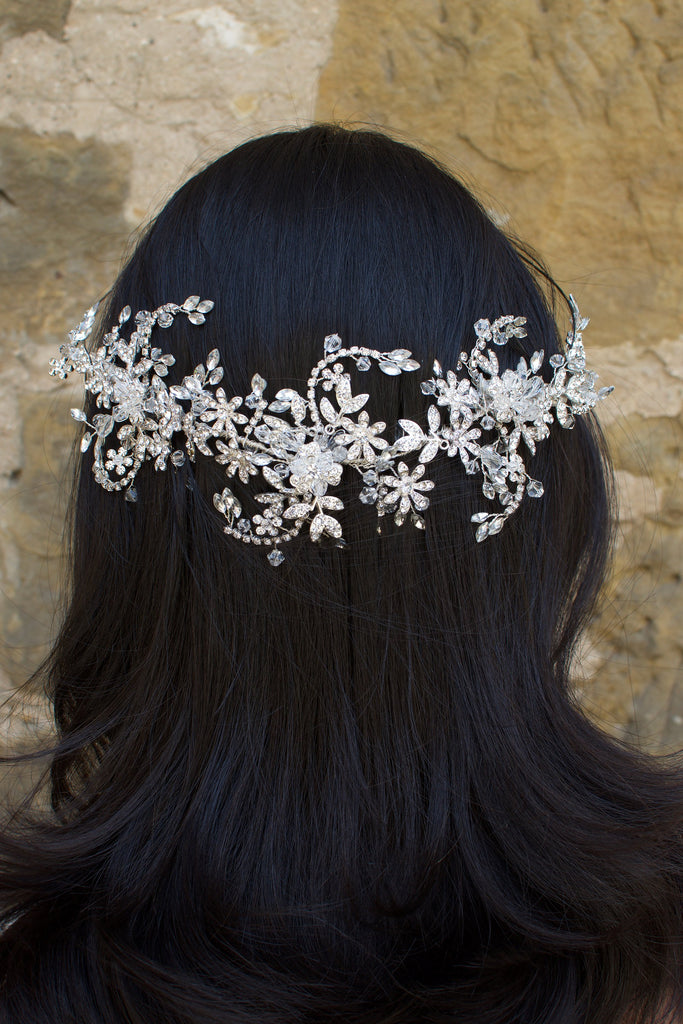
{"points": [[568, 120], [17, 17], [566, 116], [105, 108]]}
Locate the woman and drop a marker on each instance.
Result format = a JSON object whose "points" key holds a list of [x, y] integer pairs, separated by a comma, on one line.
{"points": [[354, 786]]}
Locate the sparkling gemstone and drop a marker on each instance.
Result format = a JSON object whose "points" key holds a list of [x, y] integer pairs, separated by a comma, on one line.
{"points": [[131, 494], [363, 363], [196, 318], [488, 423], [370, 477], [557, 361], [178, 458], [165, 319], [368, 495], [428, 387], [275, 557], [79, 415], [535, 489], [482, 532], [332, 343]]}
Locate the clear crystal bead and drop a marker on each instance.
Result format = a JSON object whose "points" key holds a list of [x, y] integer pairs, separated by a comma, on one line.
{"points": [[482, 532], [428, 387], [488, 422], [363, 363], [370, 477], [368, 495], [165, 319], [534, 489], [178, 458], [556, 361], [332, 343], [275, 557]]}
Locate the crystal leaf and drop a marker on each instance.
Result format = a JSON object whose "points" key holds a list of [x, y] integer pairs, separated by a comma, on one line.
{"points": [[330, 501], [604, 392], [191, 302], [275, 557], [536, 361], [332, 343], [85, 441], [205, 306], [196, 318], [79, 415], [428, 387], [297, 511], [103, 424], [479, 517], [273, 477], [391, 369], [496, 525], [325, 524], [258, 384], [482, 532], [261, 459], [124, 315], [213, 359], [216, 376]]}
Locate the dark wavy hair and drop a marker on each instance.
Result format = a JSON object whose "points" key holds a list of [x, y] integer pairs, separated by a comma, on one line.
{"points": [[357, 788]]}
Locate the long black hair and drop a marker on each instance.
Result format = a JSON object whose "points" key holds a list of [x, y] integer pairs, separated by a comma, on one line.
{"points": [[357, 787]]}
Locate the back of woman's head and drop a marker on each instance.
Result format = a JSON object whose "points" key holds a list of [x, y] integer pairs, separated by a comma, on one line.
{"points": [[354, 787]]}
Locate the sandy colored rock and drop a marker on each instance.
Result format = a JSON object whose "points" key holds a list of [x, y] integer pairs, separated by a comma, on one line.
{"points": [[568, 117]]}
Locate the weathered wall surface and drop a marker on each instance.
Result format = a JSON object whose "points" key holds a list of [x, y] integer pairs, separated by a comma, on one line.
{"points": [[105, 108], [568, 120], [566, 117]]}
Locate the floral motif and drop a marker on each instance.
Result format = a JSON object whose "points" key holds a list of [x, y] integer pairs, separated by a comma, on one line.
{"points": [[301, 445]]}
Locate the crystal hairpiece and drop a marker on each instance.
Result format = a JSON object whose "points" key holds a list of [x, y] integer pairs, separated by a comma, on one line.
{"points": [[300, 444]]}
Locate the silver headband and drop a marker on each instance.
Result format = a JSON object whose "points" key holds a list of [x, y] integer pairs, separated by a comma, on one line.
{"points": [[299, 445]]}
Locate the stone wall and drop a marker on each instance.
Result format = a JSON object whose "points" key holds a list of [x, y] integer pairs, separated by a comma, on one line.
{"points": [[565, 117]]}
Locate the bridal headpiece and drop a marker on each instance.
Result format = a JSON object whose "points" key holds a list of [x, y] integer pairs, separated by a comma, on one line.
{"points": [[300, 444]]}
